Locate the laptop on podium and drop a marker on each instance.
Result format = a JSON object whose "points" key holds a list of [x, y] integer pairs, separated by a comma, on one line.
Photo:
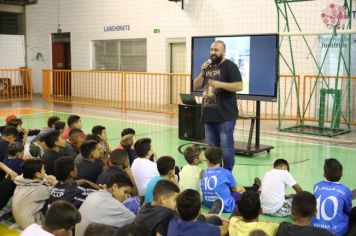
{"points": [[188, 99]]}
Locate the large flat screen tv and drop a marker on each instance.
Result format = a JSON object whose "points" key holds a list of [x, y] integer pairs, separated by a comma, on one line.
{"points": [[256, 57]]}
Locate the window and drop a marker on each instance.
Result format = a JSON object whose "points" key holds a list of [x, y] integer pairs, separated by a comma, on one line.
{"points": [[125, 55], [11, 23]]}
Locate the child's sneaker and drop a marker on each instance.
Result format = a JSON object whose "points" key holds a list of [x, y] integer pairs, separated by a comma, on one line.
{"points": [[217, 207]]}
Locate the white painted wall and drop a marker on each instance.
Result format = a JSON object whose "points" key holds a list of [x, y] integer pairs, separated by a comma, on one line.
{"points": [[12, 51], [85, 20]]}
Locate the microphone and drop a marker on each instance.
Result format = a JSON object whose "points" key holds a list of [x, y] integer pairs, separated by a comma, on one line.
{"points": [[208, 62]]}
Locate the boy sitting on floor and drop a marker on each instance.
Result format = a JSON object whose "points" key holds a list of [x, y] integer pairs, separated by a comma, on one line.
{"points": [[105, 206], [191, 174], [245, 217], [156, 215], [72, 144], [55, 143], [9, 135], [32, 191], [119, 163], [166, 169], [67, 188], [15, 156], [100, 131], [273, 190], [218, 184], [88, 167], [127, 143], [14, 162], [334, 200], [189, 209], [303, 210], [60, 220], [73, 121], [143, 169]]}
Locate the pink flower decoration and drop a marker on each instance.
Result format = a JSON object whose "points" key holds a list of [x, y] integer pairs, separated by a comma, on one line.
{"points": [[334, 15]]}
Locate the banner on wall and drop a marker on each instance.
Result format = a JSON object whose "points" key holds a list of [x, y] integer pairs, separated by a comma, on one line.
{"points": [[335, 16]]}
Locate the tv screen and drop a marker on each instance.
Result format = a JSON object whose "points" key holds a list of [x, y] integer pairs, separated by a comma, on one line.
{"points": [[256, 57]]}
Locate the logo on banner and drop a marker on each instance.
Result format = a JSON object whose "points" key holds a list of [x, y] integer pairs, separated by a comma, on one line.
{"points": [[334, 16], [328, 41]]}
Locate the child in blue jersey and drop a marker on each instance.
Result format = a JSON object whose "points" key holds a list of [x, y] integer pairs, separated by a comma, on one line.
{"points": [[165, 166], [334, 200], [218, 182]]}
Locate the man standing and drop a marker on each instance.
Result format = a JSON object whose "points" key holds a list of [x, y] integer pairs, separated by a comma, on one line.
{"points": [[220, 79]]}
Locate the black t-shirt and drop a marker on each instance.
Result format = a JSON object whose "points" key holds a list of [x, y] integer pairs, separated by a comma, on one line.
{"points": [[288, 229], [220, 105], [69, 192], [4, 145], [88, 170], [106, 174], [49, 157], [155, 218], [69, 150]]}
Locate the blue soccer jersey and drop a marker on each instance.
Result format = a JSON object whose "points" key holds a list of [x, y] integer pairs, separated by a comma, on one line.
{"points": [[334, 201], [216, 183]]}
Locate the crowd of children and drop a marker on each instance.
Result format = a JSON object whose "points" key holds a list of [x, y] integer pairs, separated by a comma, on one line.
{"points": [[62, 180]]}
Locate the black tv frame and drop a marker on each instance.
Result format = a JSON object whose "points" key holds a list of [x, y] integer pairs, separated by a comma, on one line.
{"points": [[254, 97]]}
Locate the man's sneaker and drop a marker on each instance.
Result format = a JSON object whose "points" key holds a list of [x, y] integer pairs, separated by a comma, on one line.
{"points": [[217, 207]]}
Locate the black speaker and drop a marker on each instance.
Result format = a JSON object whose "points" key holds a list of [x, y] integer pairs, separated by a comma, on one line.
{"points": [[189, 125]]}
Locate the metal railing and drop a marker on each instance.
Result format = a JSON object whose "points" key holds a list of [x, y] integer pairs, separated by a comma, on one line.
{"points": [[150, 92], [15, 84], [312, 87], [159, 92]]}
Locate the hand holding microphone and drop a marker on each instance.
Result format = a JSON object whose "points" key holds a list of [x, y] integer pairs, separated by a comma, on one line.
{"points": [[205, 65]]}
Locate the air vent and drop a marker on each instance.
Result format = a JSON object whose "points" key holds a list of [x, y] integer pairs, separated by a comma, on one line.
{"points": [[18, 2]]}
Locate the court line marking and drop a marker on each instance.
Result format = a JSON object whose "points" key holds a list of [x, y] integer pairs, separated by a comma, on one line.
{"points": [[268, 138], [118, 119], [271, 164], [40, 111]]}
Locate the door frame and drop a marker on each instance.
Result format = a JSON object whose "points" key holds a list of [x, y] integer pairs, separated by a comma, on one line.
{"points": [[169, 60], [66, 89]]}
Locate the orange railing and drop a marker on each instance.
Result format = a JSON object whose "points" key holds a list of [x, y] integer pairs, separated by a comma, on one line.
{"points": [[97, 88], [159, 92], [15, 84], [151, 92], [288, 101]]}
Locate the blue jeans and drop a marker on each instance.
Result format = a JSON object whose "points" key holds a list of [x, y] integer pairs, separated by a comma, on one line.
{"points": [[222, 135]]}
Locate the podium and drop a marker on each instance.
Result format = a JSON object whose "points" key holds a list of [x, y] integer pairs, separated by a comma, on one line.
{"points": [[191, 129]]}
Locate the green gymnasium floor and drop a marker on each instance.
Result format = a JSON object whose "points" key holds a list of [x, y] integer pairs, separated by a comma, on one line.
{"points": [[306, 160]]}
